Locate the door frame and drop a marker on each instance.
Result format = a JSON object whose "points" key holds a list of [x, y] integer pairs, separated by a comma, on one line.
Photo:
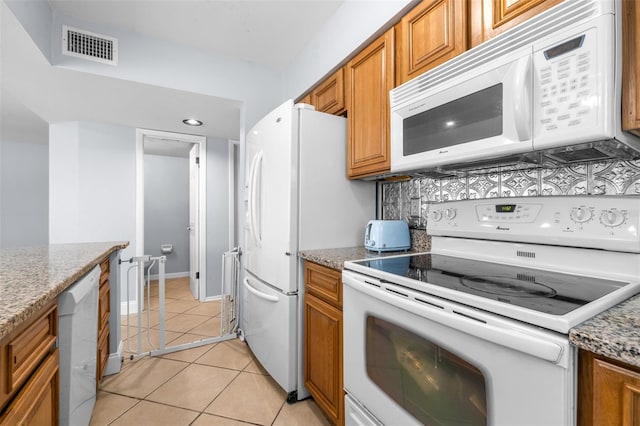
{"points": [[202, 197]]}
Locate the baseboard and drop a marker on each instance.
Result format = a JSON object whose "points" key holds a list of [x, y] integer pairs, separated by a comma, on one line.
{"points": [[212, 298], [170, 275], [114, 363]]}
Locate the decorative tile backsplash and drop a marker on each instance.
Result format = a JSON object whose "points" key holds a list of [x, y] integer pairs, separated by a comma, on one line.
{"points": [[409, 200]]}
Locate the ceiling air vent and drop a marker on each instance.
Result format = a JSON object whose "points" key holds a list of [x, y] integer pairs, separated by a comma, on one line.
{"points": [[88, 45]]}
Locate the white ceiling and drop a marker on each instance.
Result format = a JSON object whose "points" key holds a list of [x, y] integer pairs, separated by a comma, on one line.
{"points": [[266, 32]]}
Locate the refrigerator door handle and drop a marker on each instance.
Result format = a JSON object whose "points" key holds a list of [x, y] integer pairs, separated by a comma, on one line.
{"points": [[259, 294], [249, 198], [256, 212], [253, 190]]}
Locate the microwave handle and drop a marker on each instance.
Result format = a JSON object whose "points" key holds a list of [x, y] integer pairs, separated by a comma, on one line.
{"points": [[522, 86]]}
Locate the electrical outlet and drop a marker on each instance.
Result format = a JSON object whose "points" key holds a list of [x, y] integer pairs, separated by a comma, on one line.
{"points": [[415, 207]]}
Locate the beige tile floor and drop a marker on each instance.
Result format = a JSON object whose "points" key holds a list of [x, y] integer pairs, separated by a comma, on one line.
{"points": [[217, 384]]}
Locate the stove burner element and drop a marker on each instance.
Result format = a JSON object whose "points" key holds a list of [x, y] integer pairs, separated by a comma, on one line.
{"points": [[523, 286]]}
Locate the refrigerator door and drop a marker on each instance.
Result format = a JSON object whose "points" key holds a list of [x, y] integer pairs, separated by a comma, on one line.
{"points": [[270, 223], [270, 330]]}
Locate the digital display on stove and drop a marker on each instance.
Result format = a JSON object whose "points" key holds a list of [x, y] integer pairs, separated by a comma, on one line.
{"points": [[505, 208], [540, 290]]}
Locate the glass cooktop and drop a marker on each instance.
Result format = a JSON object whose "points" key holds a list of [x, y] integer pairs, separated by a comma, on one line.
{"points": [[544, 291]]}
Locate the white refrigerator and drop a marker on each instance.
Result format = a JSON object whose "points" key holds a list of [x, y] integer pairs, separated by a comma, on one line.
{"points": [[297, 198]]}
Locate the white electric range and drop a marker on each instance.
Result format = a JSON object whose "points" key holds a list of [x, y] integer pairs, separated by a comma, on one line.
{"points": [[476, 330]]}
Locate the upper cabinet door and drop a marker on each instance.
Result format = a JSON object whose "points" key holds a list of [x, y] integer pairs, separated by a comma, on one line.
{"points": [[370, 77], [328, 96], [492, 17], [430, 34], [631, 67], [306, 99]]}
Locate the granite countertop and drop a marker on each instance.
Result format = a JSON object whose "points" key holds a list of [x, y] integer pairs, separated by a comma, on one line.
{"points": [[615, 333], [31, 277], [335, 258]]}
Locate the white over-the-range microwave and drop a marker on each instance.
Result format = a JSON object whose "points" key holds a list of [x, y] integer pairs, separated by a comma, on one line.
{"points": [[548, 90]]}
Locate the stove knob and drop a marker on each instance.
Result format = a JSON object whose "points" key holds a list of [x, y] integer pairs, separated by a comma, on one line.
{"points": [[436, 215], [612, 218], [580, 214], [450, 213]]}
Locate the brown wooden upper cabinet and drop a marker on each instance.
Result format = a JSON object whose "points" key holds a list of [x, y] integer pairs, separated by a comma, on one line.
{"points": [[488, 18], [631, 66], [306, 99], [431, 33], [328, 96], [369, 78]]}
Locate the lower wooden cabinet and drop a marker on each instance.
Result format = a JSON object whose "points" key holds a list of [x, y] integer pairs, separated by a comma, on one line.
{"points": [[608, 392], [323, 365], [37, 402], [104, 311], [29, 371]]}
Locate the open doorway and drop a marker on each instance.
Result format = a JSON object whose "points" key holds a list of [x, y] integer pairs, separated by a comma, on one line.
{"points": [[171, 201], [185, 209]]}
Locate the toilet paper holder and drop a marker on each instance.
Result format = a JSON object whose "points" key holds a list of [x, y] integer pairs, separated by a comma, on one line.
{"points": [[166, 248]]}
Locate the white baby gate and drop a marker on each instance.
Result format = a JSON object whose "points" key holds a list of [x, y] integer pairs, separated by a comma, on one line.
{"points": [[228, 311]]}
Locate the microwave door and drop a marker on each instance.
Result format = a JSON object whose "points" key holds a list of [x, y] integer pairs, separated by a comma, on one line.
{"points": [[482, 114]]}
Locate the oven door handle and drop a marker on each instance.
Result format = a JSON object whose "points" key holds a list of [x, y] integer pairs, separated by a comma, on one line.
{"points": [[509, 338], [512, 339], [457, 319]]}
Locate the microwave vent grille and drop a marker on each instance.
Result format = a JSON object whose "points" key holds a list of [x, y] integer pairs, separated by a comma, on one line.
{"points": [[528, 160], [558, 17], [594, 151]]}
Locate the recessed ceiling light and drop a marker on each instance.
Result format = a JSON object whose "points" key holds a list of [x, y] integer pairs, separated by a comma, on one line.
{"points": [[192, 122]]}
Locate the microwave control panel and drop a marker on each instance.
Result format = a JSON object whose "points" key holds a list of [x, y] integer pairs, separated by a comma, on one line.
{"points": [[573, 84]]}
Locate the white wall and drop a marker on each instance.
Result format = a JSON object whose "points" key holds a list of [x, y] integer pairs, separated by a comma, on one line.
{"points": [[92, 175], [166, 209], [353, 25], [217, 211], [24, 192], [36, 17]]}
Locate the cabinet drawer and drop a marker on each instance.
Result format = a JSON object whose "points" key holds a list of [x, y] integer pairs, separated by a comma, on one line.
{"points": [[26, 349], [324, 282], [104, 308], [37, 402], [103, 353]]}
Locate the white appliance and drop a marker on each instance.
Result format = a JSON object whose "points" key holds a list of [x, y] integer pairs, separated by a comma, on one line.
{"points": [[78, 342], [476, 331], [298, 198], [545, 91]]}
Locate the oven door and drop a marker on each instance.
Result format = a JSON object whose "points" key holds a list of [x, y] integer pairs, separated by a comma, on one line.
{"points": [[484, 113], [411, 358]]}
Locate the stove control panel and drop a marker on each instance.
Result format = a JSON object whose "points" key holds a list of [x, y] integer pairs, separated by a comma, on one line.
{"points": [[607, 222]]}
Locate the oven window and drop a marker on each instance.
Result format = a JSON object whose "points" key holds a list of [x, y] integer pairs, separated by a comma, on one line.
{"points": [[432, 384], [474, 117]]}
